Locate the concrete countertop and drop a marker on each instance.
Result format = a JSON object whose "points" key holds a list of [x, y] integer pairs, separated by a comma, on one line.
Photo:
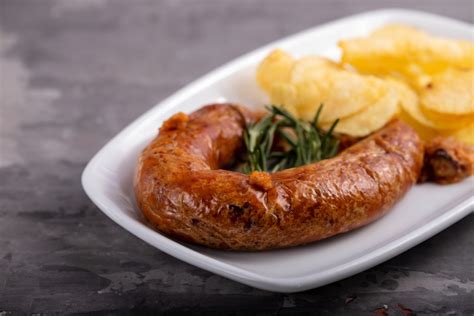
{"points": [[73, 74]]}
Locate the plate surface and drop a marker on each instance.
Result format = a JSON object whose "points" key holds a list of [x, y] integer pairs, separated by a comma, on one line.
{"points": [[423, 212]]}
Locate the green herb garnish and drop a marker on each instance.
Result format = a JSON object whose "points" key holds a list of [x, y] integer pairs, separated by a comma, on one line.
{"points": [[305, 143]]}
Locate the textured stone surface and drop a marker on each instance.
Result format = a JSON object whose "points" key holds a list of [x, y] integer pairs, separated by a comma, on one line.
{"points": [[74, 73]]}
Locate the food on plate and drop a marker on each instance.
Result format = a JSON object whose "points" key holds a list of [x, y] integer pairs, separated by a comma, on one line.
{"points": [[274, 69], [182, 189], [339, 148], [465, 134], [438, 71], [410, 103], [313, 68], [406, 51], [450, 92], [447, 161], [397, 70], [312, 80], [281, 141], [426, 133], [371, 118]]}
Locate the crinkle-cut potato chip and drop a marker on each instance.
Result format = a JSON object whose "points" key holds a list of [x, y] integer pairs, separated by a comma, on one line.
{"points": [[410, 112], [415, 111], [408, 99], [465, 134], [426, 133], [275, 68], [391, 48], [450, 92], [410, 103], [312, 68], [343, 93], [314, 81], [371, 118], [284, 96], [446, 119]]}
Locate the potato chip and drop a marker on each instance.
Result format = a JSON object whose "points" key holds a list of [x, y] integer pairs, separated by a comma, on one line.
{"points": [[442, 118], [314, 81], [284, 95], [465, 134], [410, 103], [430, 78], [450, 92], [342, 93], [426, 133], [275, 68], [370, 119], [408, 99], [392, 48], [312, 68]]}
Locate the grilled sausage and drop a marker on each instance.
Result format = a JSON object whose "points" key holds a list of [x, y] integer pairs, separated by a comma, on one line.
{"points": [[446, 161], [182, 190]]}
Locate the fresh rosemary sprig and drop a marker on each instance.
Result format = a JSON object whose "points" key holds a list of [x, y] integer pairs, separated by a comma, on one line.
{"points": [[305, 143]]}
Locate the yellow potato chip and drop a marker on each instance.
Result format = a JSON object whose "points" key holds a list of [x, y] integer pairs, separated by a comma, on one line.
{"points": [[314, 81], [450, 92], [275, 68], [284, 95], [465, 134], [343, 93], [312, 68], [447, 118], [410, 103], [370, 119], [426, 133], [417, 114], [427, 76], [393, 48], [408, 99]]}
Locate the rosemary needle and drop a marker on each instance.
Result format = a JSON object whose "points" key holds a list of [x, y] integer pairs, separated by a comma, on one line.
{"points": [[305, 142]]}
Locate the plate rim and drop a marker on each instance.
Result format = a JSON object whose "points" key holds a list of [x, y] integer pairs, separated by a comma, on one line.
{"points": [[463, 206]]}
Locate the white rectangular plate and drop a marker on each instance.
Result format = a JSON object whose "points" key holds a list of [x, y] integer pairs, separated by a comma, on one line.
{"points": [[423, 212]]}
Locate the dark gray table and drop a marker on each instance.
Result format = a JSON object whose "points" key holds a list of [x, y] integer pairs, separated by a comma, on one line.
{"points": [[73, 74]]}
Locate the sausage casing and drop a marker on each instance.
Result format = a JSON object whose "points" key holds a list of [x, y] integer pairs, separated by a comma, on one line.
{"points": [[182, 190]]}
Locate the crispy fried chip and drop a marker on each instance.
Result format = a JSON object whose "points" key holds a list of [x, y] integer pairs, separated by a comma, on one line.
{"points": [[426, 80], [318, 80], [408, 98], [465, 134], [394, 49], [448, 119], [414, 110], [450, 92], [342, 93], [275, 68], [284, 95], [410, 104], [426, 133], [370, 119], [314, 81], [312, 68]]}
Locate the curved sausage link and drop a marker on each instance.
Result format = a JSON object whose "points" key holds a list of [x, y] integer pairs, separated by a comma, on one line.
{"points": [[181, 189]]}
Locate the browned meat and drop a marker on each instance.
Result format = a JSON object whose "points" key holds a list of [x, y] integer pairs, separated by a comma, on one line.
{"points": [[447, 161], [346, 141], [181, 189]]}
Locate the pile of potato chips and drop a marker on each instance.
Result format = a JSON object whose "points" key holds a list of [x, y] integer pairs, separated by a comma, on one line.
{"points": [[395, 71]]}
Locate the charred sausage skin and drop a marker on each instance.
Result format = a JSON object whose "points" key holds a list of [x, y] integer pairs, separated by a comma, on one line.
{"points": [[182, 191]]}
